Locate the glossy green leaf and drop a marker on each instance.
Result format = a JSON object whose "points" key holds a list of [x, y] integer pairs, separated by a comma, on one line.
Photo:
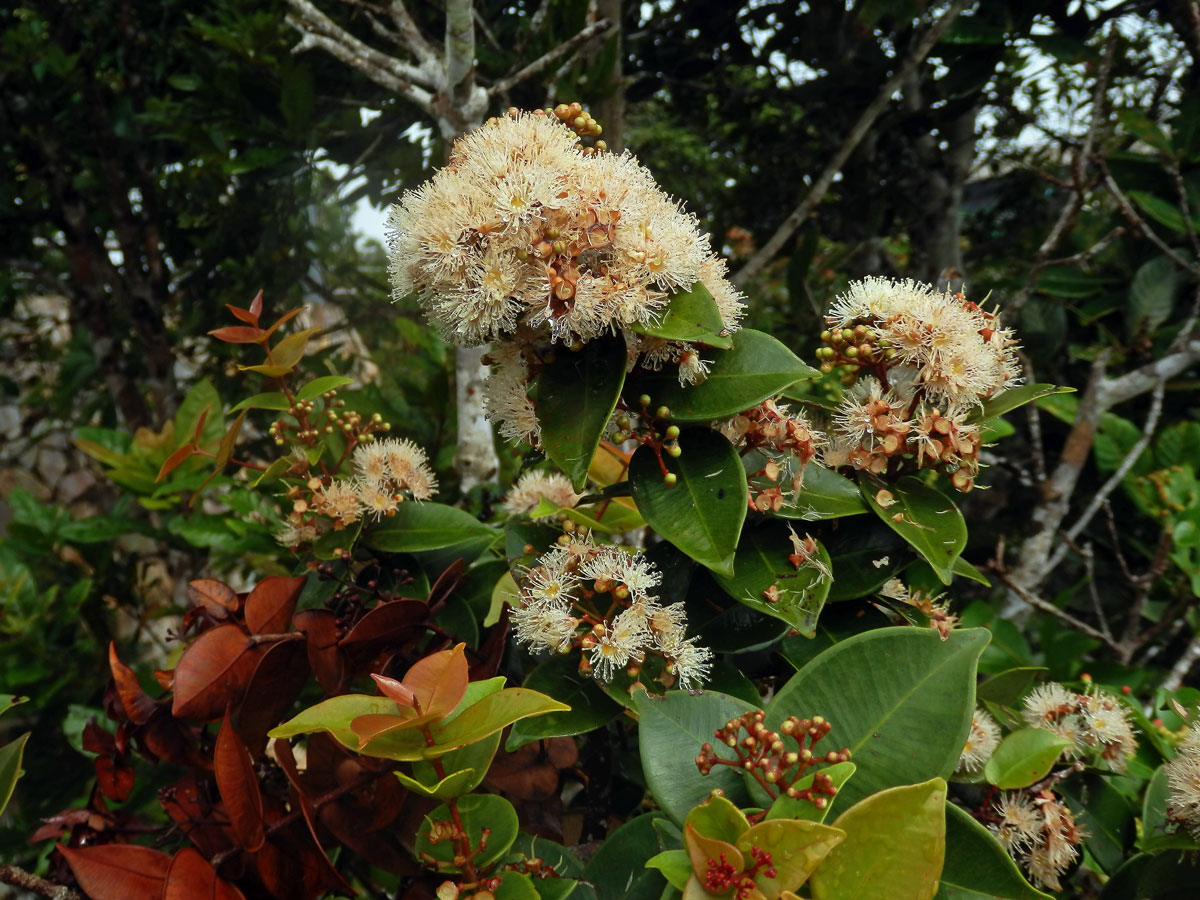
{"points": [[671, 730], [718, 818], [1015, 397], [479, 812], [273, 400], [576, 395], [703, 512], [757, 367], [1007, 687], [11, 755], [824, 495], [1158, 833], [1024, 757], [559, 677], [977, 867], [797, 848], [895, 846], [785, 807], [453, 785], [618, 869], [1170, 875], [761, 567], [474, 758], [901, 699], [675, 866], [319, 386], [478, 721], [8, 701], [966, 570], [334, 716], [418, 526], [691, 316], [925, 517]]}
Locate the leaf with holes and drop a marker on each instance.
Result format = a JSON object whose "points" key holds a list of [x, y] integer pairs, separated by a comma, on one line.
{"points": [[765, 579], [576, 395], [925, 517], [703, 512]]}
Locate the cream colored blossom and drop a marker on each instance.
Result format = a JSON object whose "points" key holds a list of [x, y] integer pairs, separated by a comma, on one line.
{"points": [[1183, 781], [1095, 722], [1039, 832], [982, 740], [533, 486]]}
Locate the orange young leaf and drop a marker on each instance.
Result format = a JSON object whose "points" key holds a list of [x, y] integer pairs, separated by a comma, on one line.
{"points": [[244, 314], [286, 317], [256, 306], [239, 334], [138, 706], [175, 460], [439, 681]]}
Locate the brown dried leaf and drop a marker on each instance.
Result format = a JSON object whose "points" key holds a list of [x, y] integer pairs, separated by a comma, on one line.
{"points": [[137, 705], [238, 785], [118, 871], [114, 777], [214, 596], [277, 681], [213, 672], [387, 627], [324, 656], [270, 605], [191, 877]]}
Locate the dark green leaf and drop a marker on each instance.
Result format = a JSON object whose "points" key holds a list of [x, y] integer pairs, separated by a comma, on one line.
{"points": [[703, 512], [762, 570], [478, 812], [274, 400], [1008, 687], [1157, 833], [576, 396], [824, 495], [977, 867], [757, 367], [1152, 294], [901, 699], [418, 526], [1009, 400], [618, 869], [691, 316], [559, 677], [10, 768], [925, 517], [671, 731]]}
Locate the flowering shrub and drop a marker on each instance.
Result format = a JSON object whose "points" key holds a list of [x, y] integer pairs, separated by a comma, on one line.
{"points": [[690, 499]]}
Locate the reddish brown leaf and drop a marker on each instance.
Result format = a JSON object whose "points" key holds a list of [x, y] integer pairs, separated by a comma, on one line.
{"points": [[213, 672], [60, 822], [324, 657], [256, 306], [270, 605], [188, 802], [386, 627], [97, 740], [190, 877], [492, 651], [175, 460], [439, 681], [138, 706], [239, 334], [165, 678], [390, 687], [277, 680], [200, 420], [214, 596], [292, 868], [353, 826], [114, 777], [238, 785], [447, 583], [286, 317], [166, 738], [244, 314], [118, 871]]}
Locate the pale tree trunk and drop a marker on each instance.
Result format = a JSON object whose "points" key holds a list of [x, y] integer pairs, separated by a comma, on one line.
{"points": [[441, 83]]}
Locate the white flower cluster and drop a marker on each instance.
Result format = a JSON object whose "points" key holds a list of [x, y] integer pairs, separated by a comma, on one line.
{"points": [[385, 470], [923, 361], [534, 486], [1183, 779], [565, 601], [982, 741], [525, 237], [1040, 833], [1095, 722]]}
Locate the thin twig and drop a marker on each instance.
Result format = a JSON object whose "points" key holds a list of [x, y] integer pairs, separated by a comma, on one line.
{"points": [[1139, 223], [1046, 606], [596, 31], [18, 877], [1089, 563], [853, 138]]}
